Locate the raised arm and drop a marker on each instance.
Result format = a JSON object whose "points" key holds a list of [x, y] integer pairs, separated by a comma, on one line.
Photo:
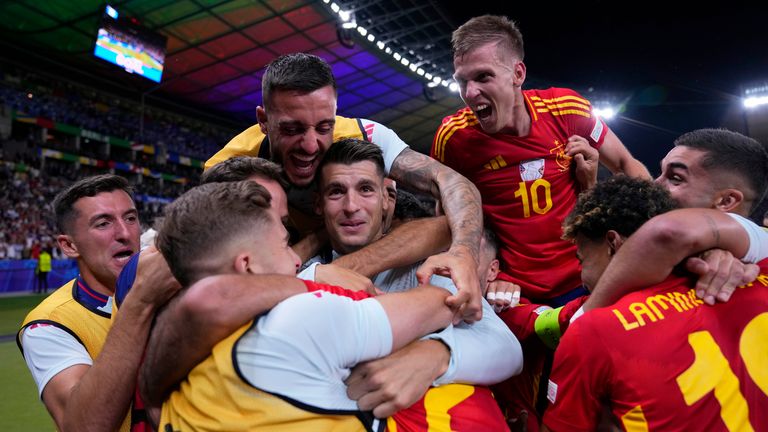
{"points": [[615, 156], [462, 206], [668, 238], [206, 313], [410, 242], [70, 395]]}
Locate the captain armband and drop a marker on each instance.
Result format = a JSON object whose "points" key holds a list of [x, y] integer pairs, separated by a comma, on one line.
{"points": [[547, 327]]}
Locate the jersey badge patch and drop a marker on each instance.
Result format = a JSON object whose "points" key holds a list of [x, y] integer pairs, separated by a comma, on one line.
{"points": [[597, 130], [552, 391], [532, 169]]}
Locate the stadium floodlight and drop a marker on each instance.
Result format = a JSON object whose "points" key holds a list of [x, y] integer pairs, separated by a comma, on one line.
{"points": [[420, 72], [362, 30], [445, 83], [349, 25], [412, 67], [397, 56], [755, 96], [388, 50], [111, 12], [606, 112], [405, 61], [437, 80], [326, 1], [453, 87], [381, 45], [371, 37], [428, 76], [345, 15], [335, 8], [755, 101]]}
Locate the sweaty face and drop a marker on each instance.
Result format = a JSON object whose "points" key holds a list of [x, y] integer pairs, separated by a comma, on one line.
{"points": [[300, 130], [352, 203], [687, 181], [594, 256], [487, 84], [103, 237]]}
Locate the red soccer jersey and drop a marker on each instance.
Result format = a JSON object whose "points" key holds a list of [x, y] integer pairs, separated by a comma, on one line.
{"points": [[452, 407], [526, 184], [665, 361]]}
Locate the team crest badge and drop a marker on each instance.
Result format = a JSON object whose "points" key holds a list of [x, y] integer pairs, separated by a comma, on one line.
{"points": [[532, 169]]}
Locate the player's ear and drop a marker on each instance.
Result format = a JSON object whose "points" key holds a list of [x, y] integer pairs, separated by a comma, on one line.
{"points": [[261, 116], [614, 240], [67, 245], [727, 200], [519, 74]]}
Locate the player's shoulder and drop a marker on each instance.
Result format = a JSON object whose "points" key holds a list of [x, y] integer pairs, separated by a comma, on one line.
{"points": [[558, 103], [462, 120]]}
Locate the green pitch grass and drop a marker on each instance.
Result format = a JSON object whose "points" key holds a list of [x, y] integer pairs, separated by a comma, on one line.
{"points": [[20, 408]]}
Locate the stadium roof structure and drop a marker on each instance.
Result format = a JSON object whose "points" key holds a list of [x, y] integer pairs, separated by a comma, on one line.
{"points": [[671, 68], [217, 50]]}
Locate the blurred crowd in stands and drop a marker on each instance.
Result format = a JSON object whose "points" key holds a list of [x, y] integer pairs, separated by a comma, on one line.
{"points": [[29, 181], [68, 103]]}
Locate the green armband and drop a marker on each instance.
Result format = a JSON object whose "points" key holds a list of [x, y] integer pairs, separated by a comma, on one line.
{"points": [[547, 326]]}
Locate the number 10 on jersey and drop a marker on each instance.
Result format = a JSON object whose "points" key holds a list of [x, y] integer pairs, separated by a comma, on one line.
{"points": [[532, 197]]}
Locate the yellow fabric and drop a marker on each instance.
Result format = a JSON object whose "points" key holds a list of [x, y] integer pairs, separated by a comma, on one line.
{"points": [[44, 262], [248, 142], [215, 398], [62, 308]]}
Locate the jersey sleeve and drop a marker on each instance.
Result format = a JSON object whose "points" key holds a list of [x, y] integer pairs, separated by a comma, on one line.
{"points": [[384, 137], [49, 350], [578, 380], [442, 150], [758, 239], [482, 353], [580, 119]]}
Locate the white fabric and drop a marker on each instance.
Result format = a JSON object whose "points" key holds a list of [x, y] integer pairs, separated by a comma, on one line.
{"points": [[384, 137], [305, 346], [758, 239], [49, 350]]}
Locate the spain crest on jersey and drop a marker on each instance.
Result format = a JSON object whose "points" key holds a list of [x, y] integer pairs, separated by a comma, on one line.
{"points": [[532, 169]]}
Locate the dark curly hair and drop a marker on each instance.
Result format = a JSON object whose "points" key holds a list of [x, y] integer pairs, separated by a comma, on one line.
{"points": [[619, 203]]}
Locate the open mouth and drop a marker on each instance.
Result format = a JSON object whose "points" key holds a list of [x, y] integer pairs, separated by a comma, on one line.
{"points": [[483, 111], [303, 165], [123, 255]]}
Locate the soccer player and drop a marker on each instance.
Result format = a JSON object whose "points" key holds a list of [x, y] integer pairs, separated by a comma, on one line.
{"points": [[298, 123], [708, 169], [352, 196], [659, 357], [77, 355], [284, 370], [527, 151]]}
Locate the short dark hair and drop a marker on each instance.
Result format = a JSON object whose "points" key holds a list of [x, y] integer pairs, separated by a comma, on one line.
{"points": [[349, 151], [241, 168], [731, 152], [64, 202], [491, 240], [204, 220], [484, 29], [298, 71], [408, 206], [619, 203]]}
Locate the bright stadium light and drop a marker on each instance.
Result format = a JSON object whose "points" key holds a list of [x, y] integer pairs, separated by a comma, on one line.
{"points": [[397, 56], [605, 113], [371, 37], [755, 96], [381, 45], [335, 8], [349, 25], [428, 76], [755, 101], [345, 15], [362, 30], [453, 87]]}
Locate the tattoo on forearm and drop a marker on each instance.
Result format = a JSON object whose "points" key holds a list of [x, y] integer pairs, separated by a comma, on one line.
{"points": [[460, 198]]}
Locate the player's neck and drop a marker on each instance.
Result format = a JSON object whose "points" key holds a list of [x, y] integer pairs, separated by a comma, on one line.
{"points": [[520, 124]]}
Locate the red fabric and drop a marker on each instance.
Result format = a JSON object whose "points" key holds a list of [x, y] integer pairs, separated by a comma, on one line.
{"points": [[355, 295], [527, 222], [634, 356], [476, 413]]}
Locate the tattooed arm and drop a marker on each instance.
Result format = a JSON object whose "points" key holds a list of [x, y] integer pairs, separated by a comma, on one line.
{"points": [[461, 203]]}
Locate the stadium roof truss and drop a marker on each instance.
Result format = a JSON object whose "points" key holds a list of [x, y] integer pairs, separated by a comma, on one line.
{"points": [[217, 50]]}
